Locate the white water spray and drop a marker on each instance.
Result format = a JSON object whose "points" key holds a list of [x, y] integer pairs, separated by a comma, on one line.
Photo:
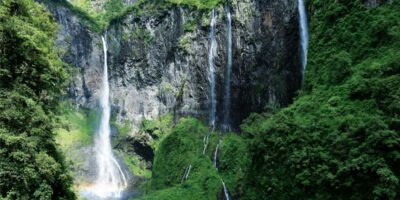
{"points": [[211, 65], [303, 35], [111, 180], [228, 72]]}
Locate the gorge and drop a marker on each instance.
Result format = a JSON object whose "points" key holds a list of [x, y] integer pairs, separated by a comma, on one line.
{"points": [[199, 99]]}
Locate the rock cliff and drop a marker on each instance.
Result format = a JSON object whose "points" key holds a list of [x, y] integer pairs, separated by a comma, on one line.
{"points": [[158, 59]]}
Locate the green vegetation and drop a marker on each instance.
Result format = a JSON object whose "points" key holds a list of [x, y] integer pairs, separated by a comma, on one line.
{"points": [[190, 25], [159, 129], [136, 166], [114, 10], [96, 20], [88, 19], [340, 138], [198, 4], [124, 129], [74, 133], [85, 5], [184, 42], [234, 161], [31, 77], [177, 151], [77, 127], [183, 147], [142, 34]]}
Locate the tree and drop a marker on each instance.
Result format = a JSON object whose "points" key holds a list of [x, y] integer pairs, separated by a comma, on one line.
{"points": [[31, 77]]}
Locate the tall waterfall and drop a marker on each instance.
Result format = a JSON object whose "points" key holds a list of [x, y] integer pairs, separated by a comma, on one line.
{"points": [[228, 71], [303, 35], [211, 66], [111, 180]]}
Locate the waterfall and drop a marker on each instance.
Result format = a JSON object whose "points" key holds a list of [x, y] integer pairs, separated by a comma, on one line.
{"points": [[111, 180], [303, 35], [216, 155], [211, 65], [215, 165], [205, 142], [186, 174], [228, 71], [225, 190]]}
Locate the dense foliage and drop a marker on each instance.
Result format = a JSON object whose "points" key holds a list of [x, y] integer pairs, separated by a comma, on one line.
{"points": [[183, 147], [341, 137], [31, 75]]}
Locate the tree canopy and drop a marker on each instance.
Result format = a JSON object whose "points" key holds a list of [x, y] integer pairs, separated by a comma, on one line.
{"points": [[31, 78]]}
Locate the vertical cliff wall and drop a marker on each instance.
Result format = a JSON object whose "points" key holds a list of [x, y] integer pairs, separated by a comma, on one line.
{"points": [[158, 59]]}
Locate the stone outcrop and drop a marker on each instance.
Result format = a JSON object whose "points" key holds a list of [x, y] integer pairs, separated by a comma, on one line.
{"points": [[158, 61]]}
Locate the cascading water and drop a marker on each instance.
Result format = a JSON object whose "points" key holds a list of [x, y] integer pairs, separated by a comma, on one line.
{"points": [[228, 71], [205, 142], [186, 174], [225, 190], [303, 35], [216, 155], [211, 65], [111, 180], [216, 167]]}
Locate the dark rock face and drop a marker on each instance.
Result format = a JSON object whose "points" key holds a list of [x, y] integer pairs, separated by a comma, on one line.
{"points": [[159, 63], [266, 63]]}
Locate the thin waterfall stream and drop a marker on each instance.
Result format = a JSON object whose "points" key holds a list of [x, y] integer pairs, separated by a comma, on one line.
{"points": [[225, 190], [211, 65], [303, 35], [111, 180], [186, 174], [215, 158], [228, 70]]}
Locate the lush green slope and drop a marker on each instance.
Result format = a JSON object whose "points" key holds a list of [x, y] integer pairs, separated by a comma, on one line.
{"points": [[31, 75], [341, 137], [183, 147]]}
